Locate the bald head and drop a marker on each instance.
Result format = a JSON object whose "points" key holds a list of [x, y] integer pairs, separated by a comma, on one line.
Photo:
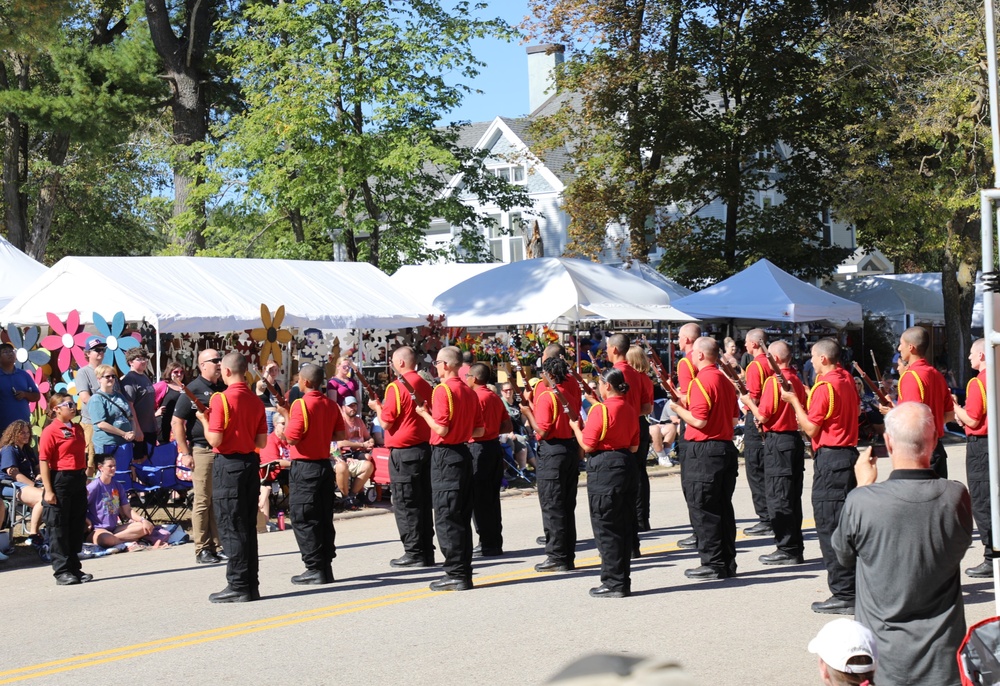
{"points": [[781, 351], [451, 355], [910, 435], [756, 341], [706, 351], [311, 375], [553, 350], [688, 334], [404, 358], [977, 355], [917, 340]]}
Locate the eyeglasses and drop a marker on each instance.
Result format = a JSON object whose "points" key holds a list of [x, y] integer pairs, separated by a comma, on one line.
{"points": [[214, 360], [109, 376], [437, 362]]}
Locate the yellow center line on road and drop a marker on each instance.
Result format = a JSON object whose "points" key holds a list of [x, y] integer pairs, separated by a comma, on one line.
{"points": [[276, 622]]}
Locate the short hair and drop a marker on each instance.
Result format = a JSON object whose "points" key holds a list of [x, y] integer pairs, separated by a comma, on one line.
{"points": [[553, 350], [912, 429], [6, 346], [637, 360], [828, 348], [406, 356], [468, 357], [313, 375], [236, 363], [918, 337], [757, 336], [690, 331], [557, 367], [615, 378], [136, 353], [709, 346], [480, 371], [451, 354], [619, 342], [103, 370], [781, 351]]}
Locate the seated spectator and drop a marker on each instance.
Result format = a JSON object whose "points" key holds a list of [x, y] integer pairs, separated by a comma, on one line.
{"points": [[847, 653], [355, 459], [274, 460], [111, 521], [378, 433], [518, 437], [342, 385], [270, 373], [19, 463], [663, 433], [112, 414], [168, 390]]}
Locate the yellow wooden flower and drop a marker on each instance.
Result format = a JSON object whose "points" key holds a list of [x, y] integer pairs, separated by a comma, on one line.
{"points": [[270, 336]]}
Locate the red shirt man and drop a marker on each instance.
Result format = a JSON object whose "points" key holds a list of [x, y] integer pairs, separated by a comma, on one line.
{"points": [[922, 383], [550, 417], [712, 398], [406, 428], [238, 414], [313, 422], [757, 373], [775, 413], [454, 405], [975, 405], [493, 411]]}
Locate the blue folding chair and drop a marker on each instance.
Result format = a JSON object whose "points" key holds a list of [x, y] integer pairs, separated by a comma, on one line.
{"points": [[158, 475]]}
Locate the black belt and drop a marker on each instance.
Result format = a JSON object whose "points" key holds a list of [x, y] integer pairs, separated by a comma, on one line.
{"points": [[974, 439], [784, 433]]}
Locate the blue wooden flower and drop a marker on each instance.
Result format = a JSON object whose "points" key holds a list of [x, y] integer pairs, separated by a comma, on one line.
{"points": [[27, 359], [112, 336]]}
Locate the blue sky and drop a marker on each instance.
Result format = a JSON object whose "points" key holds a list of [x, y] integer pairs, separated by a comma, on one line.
{"points": [[504, 79]]}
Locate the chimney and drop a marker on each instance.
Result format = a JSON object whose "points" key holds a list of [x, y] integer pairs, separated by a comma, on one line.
{"points": [[542, 63]]}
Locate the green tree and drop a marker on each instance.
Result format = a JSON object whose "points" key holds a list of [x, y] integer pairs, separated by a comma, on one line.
{"points": [[917, 151], [684, 103], [73, 85], [339, 142]]}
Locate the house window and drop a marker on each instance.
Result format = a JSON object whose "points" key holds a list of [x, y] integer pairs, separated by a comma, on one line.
{"points": [[510, 173], [505, 236]]}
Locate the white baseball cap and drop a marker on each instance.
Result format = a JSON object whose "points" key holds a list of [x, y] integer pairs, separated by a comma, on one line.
{"points": [[842, 639]]}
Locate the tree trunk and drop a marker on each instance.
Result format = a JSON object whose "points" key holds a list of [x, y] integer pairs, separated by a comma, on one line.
{"points": [[48, 197], [295, 219], [732, 197], [958, 288], [15, 133]]}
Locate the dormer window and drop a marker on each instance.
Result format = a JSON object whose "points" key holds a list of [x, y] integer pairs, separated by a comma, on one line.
{"points": [[512, 173]]}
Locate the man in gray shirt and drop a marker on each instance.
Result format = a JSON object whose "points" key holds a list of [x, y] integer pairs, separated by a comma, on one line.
{"points": [[907, 536], [138, 388], [86, 386]]}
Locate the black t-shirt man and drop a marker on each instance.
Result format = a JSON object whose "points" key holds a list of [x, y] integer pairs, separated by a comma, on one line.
{"points": [[185, 409]]}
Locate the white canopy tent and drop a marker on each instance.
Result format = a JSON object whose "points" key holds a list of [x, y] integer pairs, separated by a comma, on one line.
{"points": [[901, 302], [932, 282], [18, 270], [191, 294], [650, 275], [543, 290], [764, 293], [425, 282]]}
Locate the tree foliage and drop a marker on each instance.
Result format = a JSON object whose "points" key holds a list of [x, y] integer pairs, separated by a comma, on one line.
{"points": [[916, 152], [685, 103], [338, 143]]}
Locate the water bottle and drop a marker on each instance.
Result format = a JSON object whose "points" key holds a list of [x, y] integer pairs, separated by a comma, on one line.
{"points": [[281, 521]]}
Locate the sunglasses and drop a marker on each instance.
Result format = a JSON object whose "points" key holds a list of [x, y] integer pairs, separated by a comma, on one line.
{"points": [[177, 372], [109, 376], [214, 360], [65, 404]]}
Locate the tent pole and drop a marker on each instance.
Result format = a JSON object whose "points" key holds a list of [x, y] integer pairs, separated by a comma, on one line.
{"points": [[992, 415]]}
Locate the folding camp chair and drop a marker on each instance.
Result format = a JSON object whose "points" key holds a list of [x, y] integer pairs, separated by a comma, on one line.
{"points": [[156, 482], [18, 511]]}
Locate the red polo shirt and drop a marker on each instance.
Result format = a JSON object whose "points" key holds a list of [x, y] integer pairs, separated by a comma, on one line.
{"points": [[640, 386], [779, 415], [548, 411], [453, 404], [832, 404], [712, 397], [63, 447], [923, 384], [975, 404], [238, 414], [757, 372], [275, 449], [314, 421], [493, 411], [408, 428], [686, 372], [611, 425]]}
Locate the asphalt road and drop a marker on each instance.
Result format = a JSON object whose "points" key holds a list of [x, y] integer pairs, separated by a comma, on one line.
{"points": [[146, 619]]}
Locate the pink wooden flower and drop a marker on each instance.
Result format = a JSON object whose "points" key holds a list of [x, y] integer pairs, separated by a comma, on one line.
{"points": [[42, 382], [68, 338]]}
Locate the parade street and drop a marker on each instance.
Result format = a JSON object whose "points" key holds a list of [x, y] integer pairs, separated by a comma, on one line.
{"points": [[146, 617]]}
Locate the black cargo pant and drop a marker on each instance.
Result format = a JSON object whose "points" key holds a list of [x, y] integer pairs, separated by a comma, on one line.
{"points": [[451, 488], [784, 467], [611, 488], [712, 468], [558, 473], [67, 521], [977, 471], [939, 460], [753, 463], [833, 479], [410, 477], [312, 487], [487, 475], [642, 491], [235, 489]]}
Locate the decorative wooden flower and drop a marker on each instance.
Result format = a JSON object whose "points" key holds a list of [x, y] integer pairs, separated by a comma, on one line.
{"points": [[68, 386], [270, 336], [116, 342], [27, 359], [68, 338], [42, 382]]}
